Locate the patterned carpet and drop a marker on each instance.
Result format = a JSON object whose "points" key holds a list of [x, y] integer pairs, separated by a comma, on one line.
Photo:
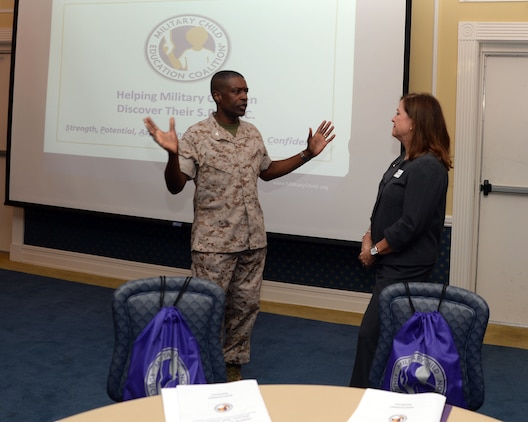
{"points": [[57, 339]]}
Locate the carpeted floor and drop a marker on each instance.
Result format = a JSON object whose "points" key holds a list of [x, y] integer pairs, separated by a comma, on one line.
{"points": [[57, 339]]}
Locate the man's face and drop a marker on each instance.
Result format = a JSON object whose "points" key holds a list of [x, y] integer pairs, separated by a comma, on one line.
{"points": [[231, 97]]}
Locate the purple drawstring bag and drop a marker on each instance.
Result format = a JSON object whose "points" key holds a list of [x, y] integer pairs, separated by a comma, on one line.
{"points": [[424, 358], [164, 355]]}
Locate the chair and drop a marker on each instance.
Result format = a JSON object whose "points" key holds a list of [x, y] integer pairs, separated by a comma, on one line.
{"points": [[136, 302], [466, 313]]}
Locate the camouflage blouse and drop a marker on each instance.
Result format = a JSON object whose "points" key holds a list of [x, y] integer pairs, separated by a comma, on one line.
{"points": [[225, 170]]}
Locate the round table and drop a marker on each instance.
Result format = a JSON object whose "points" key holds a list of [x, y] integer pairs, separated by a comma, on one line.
{"points": [[285, 403]]}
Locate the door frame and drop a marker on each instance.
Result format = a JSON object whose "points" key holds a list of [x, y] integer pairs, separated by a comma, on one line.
{"points": [[475, 39]]}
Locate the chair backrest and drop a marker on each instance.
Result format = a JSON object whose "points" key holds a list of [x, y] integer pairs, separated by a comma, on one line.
{"points": [[136, 302], [466, 313]]}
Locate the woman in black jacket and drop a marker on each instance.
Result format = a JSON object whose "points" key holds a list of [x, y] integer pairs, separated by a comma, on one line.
{"points": [[406, 224]]}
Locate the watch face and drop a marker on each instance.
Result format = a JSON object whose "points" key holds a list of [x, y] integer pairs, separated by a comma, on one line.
{"points": [[374, 251]]}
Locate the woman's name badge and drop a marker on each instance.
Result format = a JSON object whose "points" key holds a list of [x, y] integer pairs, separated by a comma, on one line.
{"points": [[398, 174]]}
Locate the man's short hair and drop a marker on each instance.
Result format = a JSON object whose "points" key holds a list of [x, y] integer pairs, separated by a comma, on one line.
{"points": [[220, 77]]}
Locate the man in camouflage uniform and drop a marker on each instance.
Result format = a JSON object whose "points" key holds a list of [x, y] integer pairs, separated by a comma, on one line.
{"points": [[225, 156]]}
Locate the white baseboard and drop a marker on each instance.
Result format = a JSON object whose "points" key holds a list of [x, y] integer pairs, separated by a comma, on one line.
{"points": [[272, 291], [89, 264], [317, 297]]}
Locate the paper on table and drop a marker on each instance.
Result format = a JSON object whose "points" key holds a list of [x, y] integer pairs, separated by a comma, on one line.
{"points": [[171, 408], [223, 402], [387, 406]]}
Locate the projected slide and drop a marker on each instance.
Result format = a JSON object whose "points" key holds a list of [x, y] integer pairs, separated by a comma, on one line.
{"points": [[87, 72], [156, 58]]}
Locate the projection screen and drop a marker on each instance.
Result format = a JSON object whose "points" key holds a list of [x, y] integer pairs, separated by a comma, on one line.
{"points": [[85, 73]]}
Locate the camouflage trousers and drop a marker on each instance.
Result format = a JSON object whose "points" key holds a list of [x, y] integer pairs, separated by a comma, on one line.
{"points": [[240, 275]]}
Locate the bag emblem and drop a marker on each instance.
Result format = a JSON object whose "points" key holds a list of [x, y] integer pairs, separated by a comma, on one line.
{"points": [[154, 377], [410, 374]]}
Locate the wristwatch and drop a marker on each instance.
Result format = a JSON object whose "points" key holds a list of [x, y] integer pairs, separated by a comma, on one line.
{"points": [[374, 250], [304, 157]]}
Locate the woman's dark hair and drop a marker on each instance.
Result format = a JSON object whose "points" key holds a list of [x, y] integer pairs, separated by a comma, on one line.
{"points": [[429, 127]]}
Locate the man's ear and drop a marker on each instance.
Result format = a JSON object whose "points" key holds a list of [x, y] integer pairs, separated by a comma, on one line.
{"points": [[217, 96]]}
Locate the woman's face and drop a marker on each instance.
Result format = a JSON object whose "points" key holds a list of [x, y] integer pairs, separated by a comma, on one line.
{"points": [[402, 124]]}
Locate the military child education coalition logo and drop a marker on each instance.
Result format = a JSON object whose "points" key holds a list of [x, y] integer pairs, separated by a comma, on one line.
{"points": [[187, 48]]}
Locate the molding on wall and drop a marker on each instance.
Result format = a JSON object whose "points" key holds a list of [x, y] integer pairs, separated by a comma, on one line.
{"points": [[464, 241], [434, 76], [272, 291], [317, 297], [88, 264], [6, 34]]}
